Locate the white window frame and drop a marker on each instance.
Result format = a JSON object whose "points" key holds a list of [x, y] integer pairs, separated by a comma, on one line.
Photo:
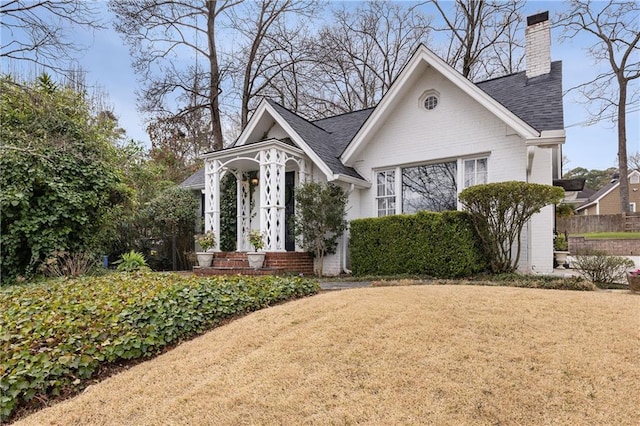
{"points": [[475, 172], [386, 196], [632, 207], [397, 171]]}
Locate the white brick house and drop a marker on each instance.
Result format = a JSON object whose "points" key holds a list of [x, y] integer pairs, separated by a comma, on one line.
{"points": [[432, 134]]}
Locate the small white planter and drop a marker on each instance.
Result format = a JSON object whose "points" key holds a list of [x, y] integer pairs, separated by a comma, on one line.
{"points": [[561, 257], [205, 259], [256, 259]]}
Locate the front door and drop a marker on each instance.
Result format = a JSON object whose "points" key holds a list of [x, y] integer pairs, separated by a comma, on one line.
{"points": [[289, 210]]}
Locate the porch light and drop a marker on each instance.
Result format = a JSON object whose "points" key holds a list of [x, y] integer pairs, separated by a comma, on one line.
{"points": [[255, 181]]}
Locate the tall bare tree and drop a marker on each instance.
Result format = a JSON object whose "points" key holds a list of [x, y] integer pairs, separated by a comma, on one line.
{"points": [[616, 28], [357, 57], [41, 32], [158, 33], [265, 28], [484, 36]]}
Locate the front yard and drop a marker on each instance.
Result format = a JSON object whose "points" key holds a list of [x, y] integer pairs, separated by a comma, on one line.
{"points": [[57, 335], [393, 355]]}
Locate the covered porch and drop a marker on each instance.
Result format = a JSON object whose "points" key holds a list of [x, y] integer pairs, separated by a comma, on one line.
{"points": [[266, 175]]}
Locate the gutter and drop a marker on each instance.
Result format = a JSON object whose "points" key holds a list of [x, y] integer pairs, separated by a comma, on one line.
{"points": [[360, 183]]}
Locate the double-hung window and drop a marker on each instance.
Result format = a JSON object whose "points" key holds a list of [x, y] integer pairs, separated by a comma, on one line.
{"points": [[386, 195], [475, 172]]}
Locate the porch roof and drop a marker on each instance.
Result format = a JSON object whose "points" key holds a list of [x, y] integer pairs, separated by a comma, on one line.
{"points": [[327, 137], [235, 151]]}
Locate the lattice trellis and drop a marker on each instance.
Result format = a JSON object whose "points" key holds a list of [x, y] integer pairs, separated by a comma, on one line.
{"points": [[272, 166], [212, 199], [244, 212], [272, 172]]}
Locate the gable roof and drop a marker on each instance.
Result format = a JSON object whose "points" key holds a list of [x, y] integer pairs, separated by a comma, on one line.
{"points": [[327, 137], [195, 181], [495, 95], [599, 194]]}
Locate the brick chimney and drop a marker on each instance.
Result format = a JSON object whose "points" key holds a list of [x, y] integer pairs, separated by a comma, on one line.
{"points": [[538, 51]]}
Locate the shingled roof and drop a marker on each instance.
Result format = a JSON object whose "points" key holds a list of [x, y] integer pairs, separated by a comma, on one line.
{"points": [[195, 181], [537, 101], [327, 137]]}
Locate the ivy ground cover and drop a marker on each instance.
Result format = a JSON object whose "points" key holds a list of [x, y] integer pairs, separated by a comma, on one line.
{"points": [[56, 334]]}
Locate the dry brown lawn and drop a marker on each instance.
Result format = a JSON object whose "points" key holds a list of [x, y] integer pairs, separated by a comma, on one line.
{"points": [[441, 355]]}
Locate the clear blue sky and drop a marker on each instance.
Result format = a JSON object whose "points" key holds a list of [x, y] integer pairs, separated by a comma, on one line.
{"points": [[594, 146]]}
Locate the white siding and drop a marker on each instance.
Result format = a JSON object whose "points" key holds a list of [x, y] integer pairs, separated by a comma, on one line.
{"points": [[277, 132], [458, 127], [541, 224]]}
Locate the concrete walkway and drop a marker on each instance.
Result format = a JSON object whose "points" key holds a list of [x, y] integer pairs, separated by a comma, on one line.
{"points": [[343, 285]]}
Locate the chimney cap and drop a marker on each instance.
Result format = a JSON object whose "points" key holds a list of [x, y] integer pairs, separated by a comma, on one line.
{"points": [[536, 19]]}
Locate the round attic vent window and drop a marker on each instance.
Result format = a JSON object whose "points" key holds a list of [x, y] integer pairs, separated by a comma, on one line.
{"points": [[431, 102]]}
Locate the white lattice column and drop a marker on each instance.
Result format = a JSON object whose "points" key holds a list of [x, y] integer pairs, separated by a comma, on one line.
{"points": [[212, 199], [302, 172], [272, 172], [243, 206]]}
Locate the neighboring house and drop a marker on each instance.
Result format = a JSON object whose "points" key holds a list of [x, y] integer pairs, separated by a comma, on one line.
{"points": [[607, 199], [574, 191], [433, 134], [577, 198]]}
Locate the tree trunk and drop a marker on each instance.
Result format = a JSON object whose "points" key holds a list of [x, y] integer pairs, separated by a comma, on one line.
{"points": [[320, 263], [622, 145], [214, 80]]}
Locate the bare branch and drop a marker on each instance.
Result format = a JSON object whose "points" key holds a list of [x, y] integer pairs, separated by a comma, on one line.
{"points": [[41, 31]]}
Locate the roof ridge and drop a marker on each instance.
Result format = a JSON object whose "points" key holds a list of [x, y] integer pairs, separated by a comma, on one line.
{"points": [[297, 115], [504, 76], [343, 113]]}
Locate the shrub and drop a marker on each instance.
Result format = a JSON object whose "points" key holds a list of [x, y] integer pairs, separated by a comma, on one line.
{"points": [[560, 243], [206, 240], [60, 183], [132, 261], [600, 268], [565, 210], [55, 335], [170, 217], [435, 244], [543, 281], [63, 264], [319, 219], [499, 212]]}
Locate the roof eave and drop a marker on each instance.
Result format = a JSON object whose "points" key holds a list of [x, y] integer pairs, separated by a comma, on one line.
{"points": [[256, 146], [360, 183], [547, 138]]}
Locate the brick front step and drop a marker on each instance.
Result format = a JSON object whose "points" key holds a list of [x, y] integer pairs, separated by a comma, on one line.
{"points": [[275, 263], [229, 262]]}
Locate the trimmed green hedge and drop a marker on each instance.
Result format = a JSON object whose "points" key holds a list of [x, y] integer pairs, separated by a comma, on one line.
{"points": [[443, 245], [56, 334]]}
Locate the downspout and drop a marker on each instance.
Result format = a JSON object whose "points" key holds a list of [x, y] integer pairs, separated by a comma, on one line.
{"points": [[344, 241]]}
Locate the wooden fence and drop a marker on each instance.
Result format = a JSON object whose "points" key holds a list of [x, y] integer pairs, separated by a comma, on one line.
{"points": [[629, 222]]}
